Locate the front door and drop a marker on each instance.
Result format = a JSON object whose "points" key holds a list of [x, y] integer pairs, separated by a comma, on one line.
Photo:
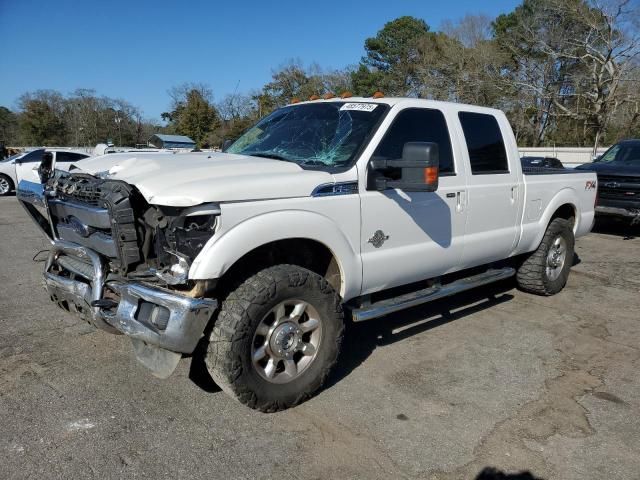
{"points": [[412, 236]]}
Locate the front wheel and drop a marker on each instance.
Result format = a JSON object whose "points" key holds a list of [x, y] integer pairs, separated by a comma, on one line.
{"points": [[546, 271], [276, 338], [6, 185]]}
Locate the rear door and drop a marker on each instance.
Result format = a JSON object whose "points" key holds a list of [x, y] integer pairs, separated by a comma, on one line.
{"points": [[411, 236], [493, 191]]}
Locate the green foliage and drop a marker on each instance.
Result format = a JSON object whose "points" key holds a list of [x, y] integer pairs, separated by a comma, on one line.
{"points": [[41, 119], [195, 118], [8, 126], [46, 117], [193, 113], [366, 82], [393, 54]]}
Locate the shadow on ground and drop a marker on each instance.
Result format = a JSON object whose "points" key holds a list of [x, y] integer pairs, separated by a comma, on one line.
{"points": [[361, 339], [618, 227], [494, 474]]}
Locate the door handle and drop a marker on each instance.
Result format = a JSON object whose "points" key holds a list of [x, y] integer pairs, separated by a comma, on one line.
{"points": [[461, 200], [514, 194]]}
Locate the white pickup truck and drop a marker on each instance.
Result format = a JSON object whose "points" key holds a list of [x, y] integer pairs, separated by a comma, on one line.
{"points": [[323, 212]]}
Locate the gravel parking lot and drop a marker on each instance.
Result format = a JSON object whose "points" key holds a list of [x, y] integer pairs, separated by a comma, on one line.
{"points": [[496, 378]]}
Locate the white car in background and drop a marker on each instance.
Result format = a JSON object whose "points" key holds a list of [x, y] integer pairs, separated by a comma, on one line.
{"points": [[25, 165]]}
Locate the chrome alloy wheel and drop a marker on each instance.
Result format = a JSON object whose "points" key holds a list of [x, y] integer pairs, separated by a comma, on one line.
{"points": [[556, 258], [4, 186], [286, 341]]}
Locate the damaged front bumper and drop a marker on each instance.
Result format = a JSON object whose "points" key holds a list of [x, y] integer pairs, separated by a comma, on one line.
{"points": [[153, 315], [162, 325]]}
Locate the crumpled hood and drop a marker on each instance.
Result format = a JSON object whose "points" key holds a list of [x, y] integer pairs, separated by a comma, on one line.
{"points": [[187, 179]]}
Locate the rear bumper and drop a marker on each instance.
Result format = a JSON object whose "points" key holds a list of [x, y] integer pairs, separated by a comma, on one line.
{"points": [[153, 315], [618, 211]]}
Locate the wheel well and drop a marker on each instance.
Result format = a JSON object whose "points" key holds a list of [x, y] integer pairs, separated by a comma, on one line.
{"points": [[566, 211], [303, 252]]}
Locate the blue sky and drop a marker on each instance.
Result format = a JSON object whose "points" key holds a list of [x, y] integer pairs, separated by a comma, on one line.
{"points": [[137, 50]]}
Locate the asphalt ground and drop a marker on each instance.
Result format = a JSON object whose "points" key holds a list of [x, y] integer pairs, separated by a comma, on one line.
{"points": [[495, 378]]}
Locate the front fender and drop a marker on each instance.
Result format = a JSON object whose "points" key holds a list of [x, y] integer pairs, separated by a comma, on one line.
{"points": [[223, 250]]}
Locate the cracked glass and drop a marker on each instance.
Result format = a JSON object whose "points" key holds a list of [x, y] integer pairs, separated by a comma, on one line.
{"points": [[326, 134]]}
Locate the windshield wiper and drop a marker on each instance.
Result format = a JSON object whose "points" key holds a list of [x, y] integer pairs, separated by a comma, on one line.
{"points": [[274, 156], [315, 163]]}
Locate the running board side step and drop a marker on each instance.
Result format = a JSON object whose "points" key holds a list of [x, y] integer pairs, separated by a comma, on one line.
{"points": [[408, 300]]}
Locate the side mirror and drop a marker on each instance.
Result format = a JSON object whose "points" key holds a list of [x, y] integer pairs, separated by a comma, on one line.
{"points": [[418, 169], [226, 144]]}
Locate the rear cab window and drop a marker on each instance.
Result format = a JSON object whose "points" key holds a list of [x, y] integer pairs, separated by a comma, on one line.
{"points": [[485, 144]]}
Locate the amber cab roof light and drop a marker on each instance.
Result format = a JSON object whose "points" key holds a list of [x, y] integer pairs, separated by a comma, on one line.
{"points": [[346, 95], [295, 100], [378, 95], [314, 97], [328, 96]]}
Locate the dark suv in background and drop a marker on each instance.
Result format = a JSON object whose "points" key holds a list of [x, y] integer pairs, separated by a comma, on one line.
{"points": [[618, 171]]}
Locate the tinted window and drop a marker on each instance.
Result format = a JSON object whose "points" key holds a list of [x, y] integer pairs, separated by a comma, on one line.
{"points": [[487, 153], [35, 156], [69, 157], [417, 125]]}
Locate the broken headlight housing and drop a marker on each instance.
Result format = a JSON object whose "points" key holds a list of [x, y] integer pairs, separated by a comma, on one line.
{"points": [[180, 236]]}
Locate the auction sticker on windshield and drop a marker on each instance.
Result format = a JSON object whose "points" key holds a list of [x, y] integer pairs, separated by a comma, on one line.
{"points": [[360, 107]]}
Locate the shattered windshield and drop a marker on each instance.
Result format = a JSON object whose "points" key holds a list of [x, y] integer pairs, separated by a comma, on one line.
{"points": [[315, 134]]}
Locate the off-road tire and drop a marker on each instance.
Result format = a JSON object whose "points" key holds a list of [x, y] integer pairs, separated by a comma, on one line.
{"points": [[10, 183], [228, 357], [532, 274]]}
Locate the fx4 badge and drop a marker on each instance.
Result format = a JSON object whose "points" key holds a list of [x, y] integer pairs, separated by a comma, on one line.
{"points": [[378, 239], [590, 185]]}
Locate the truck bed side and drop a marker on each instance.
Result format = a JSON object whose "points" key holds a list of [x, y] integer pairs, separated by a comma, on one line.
{"points": [[545, 192]]}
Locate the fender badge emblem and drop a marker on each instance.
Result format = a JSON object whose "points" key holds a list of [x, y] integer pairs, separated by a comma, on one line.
{"points": [[378, 239]]}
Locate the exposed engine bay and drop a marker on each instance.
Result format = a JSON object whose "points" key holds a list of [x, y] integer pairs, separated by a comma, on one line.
{"points": [[139, 241]]}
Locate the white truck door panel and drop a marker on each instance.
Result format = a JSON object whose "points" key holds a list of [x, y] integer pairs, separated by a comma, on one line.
{"points": [[410, 236], [421, 235], [494, 196]]}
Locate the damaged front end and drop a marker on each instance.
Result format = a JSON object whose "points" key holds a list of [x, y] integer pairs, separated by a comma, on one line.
{"points": [[122, 264]]}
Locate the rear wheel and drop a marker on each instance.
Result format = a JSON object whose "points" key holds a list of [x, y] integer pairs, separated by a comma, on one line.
{"points": [[276, 338], [546, 271], [6, 185]]}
